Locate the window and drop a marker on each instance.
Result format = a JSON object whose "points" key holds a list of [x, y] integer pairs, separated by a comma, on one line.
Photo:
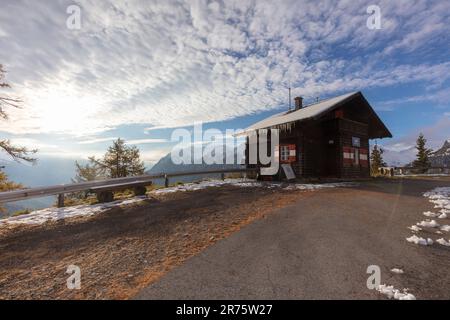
{"points": [[351, 156], [288, 153], [356, 156], [284, 153]]}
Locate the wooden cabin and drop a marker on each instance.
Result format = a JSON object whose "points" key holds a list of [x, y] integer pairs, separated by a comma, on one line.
{"points": [[328, 139]]}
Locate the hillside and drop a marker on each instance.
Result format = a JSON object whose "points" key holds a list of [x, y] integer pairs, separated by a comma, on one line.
{"points": [[166, 165]]}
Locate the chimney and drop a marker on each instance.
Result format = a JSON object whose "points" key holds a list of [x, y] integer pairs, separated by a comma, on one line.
{"points": [[298, 103]]}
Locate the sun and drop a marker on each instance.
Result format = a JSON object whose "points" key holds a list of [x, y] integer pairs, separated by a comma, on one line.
{"points": [[64, 111]]}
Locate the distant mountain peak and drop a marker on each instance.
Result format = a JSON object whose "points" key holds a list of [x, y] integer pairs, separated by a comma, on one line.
{"points": [[441, 157], [444, 149]]}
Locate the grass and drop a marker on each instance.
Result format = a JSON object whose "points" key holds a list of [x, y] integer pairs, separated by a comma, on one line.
{"points": [[20, 212]]}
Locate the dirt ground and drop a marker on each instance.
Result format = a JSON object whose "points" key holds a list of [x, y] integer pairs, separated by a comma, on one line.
{"points": [[122, 251], [321, 246]]}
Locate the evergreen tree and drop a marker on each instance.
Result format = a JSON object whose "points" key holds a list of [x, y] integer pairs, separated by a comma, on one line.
{"points": [[89, 172], [376, 160], [422, 162], [121, 161], [6, 185], [16, 152]]}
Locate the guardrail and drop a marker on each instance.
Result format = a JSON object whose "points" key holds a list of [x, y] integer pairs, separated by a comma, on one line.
{"points": [[412, 170], [60, 190]]}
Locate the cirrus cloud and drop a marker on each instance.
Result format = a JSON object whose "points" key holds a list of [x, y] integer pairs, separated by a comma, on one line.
{"points": [[173, 63]]}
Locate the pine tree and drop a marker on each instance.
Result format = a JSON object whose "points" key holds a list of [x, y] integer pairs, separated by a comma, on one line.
{"points": [[16, 152], [121, 161], [422, 162], [376, 160], [6, 185], [89, 172]]}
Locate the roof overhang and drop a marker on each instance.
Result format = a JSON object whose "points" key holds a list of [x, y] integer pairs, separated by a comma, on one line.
{"points": [[315, 111]]}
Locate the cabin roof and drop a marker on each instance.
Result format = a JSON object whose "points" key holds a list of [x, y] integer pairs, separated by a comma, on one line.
{"points": [[316, 110]]}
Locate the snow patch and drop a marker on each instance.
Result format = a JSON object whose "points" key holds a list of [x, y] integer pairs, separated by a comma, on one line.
{"points": [[443, 242], [246, 183], [300, 186], [430, 214], [445, 228], [397, 270], [415, 228], [391, 292], [440, 197], [428, 224], [419, 240], [55, 214]]}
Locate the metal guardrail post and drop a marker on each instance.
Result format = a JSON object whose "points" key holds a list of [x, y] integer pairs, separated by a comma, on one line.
{"points": [[60, 200], [166, 181]]}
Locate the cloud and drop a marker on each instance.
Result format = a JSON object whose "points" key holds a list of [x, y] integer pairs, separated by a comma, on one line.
{"points": [[33, 144], [178, 62], [435, 134], [440, 97], [145, 141], [97, 140]]}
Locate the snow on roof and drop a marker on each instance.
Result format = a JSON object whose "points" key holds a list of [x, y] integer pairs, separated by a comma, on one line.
{"points": [[304, 113]]}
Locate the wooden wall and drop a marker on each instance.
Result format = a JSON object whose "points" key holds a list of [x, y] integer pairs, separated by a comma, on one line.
{"points": [[320, 143]]}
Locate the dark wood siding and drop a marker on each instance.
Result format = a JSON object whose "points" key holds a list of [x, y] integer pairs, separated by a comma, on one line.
{"points": [[347, 130], [320, 144]]}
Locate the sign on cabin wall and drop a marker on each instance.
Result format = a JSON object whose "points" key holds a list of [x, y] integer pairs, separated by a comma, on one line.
{"points": [[288, 171]]}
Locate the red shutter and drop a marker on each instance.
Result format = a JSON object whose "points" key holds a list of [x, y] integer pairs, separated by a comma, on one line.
{"points": [[347, 155], [292, 153]]}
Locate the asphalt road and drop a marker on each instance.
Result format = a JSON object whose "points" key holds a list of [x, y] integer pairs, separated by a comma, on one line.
{"points": [[320, 248]]}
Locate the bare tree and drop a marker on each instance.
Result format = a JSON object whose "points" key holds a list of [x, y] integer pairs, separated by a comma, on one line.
{"points": [[16, 152]]}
